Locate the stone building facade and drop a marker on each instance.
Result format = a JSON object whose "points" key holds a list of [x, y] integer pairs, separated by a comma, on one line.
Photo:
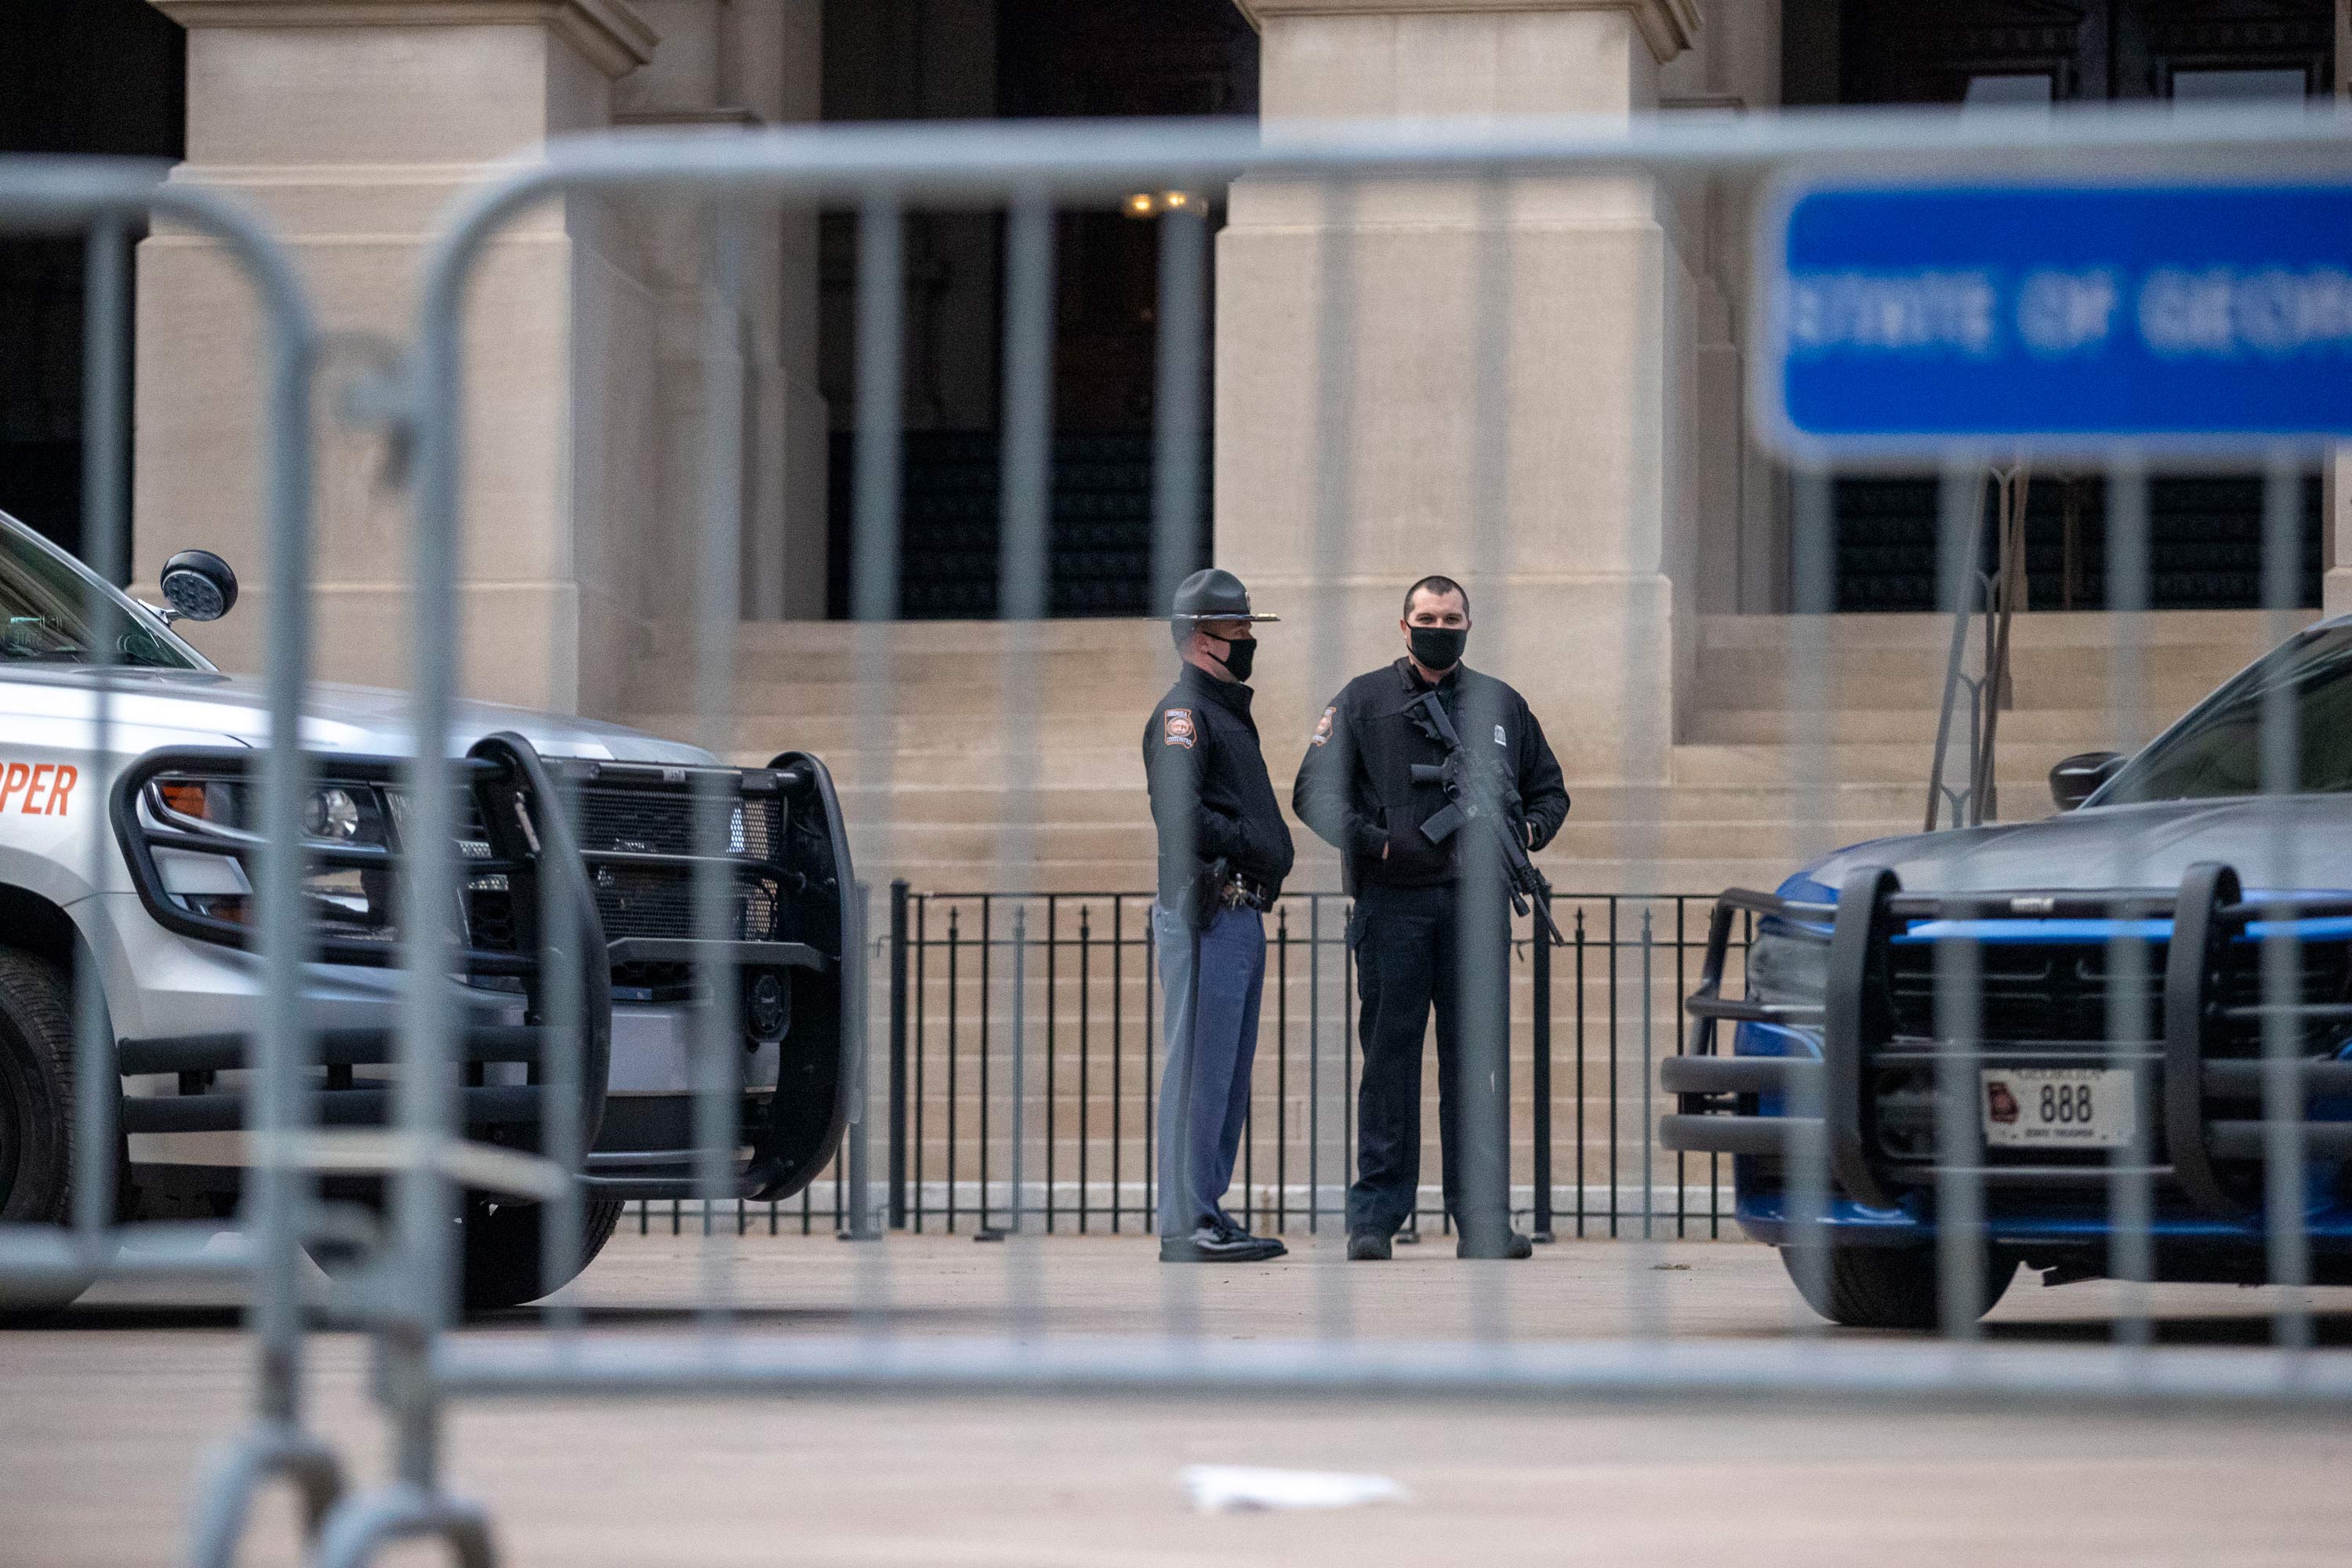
{"points": [[1580, 454]]}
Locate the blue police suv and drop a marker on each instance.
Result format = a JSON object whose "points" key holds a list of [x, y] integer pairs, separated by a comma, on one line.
{"points": [[2110, 980]]}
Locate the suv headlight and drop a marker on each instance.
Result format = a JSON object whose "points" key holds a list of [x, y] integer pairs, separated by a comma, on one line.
{"points": [[1789, 967], [335, 814], [352, 902]]}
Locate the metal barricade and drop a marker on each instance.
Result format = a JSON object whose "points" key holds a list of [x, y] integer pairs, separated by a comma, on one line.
{"points": [[406, 1291], [106, 202], [1029, 173]]}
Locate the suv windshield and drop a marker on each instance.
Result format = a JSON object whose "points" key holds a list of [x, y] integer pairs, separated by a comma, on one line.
{"points": [[2218, 748], [45, 613]]}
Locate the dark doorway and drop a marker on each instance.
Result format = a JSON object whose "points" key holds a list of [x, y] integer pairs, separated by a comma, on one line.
{"points": [[2205, 547], [92, 76], [1019, 60], [2205, 528], [1956, 51]]}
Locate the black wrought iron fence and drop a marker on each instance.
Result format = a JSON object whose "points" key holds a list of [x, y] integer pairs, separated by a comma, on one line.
{"points": [[1016, 1060]]}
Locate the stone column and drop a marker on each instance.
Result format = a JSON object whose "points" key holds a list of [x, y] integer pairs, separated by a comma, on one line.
{"points": [[353, 125], [1590, 612], [1742, 526], [742, 62]]}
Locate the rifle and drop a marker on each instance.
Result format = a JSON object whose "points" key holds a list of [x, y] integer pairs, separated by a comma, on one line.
{"points": [[1476, 790]]}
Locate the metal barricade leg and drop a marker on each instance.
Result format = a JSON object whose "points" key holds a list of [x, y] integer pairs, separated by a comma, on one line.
{"points": [[264, 1452], [406, 1512]]}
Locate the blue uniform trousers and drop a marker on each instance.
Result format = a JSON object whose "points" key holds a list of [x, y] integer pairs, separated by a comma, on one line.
{"points": [[1211, 982]]}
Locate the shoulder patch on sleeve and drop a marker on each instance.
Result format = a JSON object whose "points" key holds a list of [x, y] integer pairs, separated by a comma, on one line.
{"points": [[1501, 738], [1176, 728], [1323, 725]]}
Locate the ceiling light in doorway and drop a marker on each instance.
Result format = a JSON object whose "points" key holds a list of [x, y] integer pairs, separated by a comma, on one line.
{"points": [[1151, 204]]}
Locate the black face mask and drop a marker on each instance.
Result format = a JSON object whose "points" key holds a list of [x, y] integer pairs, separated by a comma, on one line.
{"points": [[1240, 654], [1438, 648]]}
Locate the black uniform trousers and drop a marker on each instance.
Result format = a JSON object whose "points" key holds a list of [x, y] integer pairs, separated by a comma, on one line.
{"points": [[1409, 945]]}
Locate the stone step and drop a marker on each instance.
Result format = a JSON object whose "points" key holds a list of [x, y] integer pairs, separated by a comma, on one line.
{"points": [[2024, 765], [1144, 636], [1672, 874], [832, 653], [1664, 875], [1736, 809], [1914, 677], [2081, 728], [1134, 842], [959, 688], [922, 768], [908, 734], [1592, 802], [1885, 766], [2028, 629]]}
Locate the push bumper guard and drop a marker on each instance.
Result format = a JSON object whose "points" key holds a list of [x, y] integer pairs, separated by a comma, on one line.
{"points": [[788, 857], [625, 850], [2201, 1098], [509, 846]]}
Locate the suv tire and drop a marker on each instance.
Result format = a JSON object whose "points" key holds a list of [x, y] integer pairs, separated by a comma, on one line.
{"points": [[1885, 1286], [37, 1114], [501, 1251]]}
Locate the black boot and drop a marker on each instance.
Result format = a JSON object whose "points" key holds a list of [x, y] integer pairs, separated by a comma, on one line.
{"points": [[1506, 1244], [1368, 1246]]}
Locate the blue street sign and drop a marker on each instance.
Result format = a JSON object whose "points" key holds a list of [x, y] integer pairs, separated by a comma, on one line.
{"points": [[1907, 322]]}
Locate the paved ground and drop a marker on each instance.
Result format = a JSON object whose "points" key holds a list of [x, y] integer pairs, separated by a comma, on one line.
{"points": [[104, 1418]]}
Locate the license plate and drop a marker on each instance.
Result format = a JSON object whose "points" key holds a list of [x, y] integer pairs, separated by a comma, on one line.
{"points": [[2060, 1108]]}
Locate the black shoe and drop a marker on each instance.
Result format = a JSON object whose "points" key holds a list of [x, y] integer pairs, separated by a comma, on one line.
{"points": [[1219, 1243], [1368, 1246], [1510, 1244], [1274, 1248]]}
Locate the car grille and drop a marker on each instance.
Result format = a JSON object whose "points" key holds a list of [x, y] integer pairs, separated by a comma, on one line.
{"points": [[658, 901], [652, 822], [637, 898], [2048, 993]]}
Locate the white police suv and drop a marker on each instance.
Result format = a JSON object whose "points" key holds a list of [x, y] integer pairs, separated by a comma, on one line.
{"points": [[126, 854]]}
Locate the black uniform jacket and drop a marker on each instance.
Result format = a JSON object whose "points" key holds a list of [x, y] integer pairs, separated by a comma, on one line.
{"points": [[1356, 790], [1209, 786]]}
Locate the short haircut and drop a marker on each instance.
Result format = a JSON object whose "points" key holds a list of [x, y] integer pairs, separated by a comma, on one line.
{"points": [[1440, 587]]}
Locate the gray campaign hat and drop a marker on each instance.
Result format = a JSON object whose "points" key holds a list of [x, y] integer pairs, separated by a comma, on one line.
{"points": [[1213, 594]]}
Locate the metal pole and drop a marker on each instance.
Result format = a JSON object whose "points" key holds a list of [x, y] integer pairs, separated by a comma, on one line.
{"points": [[858, 1225], [1649, 1076], [1541, 1089], [2286, 1178], [715, 1032], [1020, 1053], [898, 1054]]}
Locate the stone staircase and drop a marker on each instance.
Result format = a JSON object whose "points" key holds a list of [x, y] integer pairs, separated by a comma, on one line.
{"points": [[927, 790]]}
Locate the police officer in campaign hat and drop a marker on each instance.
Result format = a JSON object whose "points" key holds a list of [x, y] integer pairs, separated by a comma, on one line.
{"points": [[1224, 852], [1431, 924]]}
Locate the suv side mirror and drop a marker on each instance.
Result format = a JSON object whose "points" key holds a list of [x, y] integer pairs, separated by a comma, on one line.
{"points": [[198, 585], [2078, 778]]}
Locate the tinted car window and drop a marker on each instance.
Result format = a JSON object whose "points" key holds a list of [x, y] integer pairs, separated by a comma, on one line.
{"points": [[2218, 748], [45, 613]]}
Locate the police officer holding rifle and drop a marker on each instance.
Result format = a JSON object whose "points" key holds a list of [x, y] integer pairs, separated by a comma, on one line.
{"points": [[1224, 852], [1434, 783]]}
